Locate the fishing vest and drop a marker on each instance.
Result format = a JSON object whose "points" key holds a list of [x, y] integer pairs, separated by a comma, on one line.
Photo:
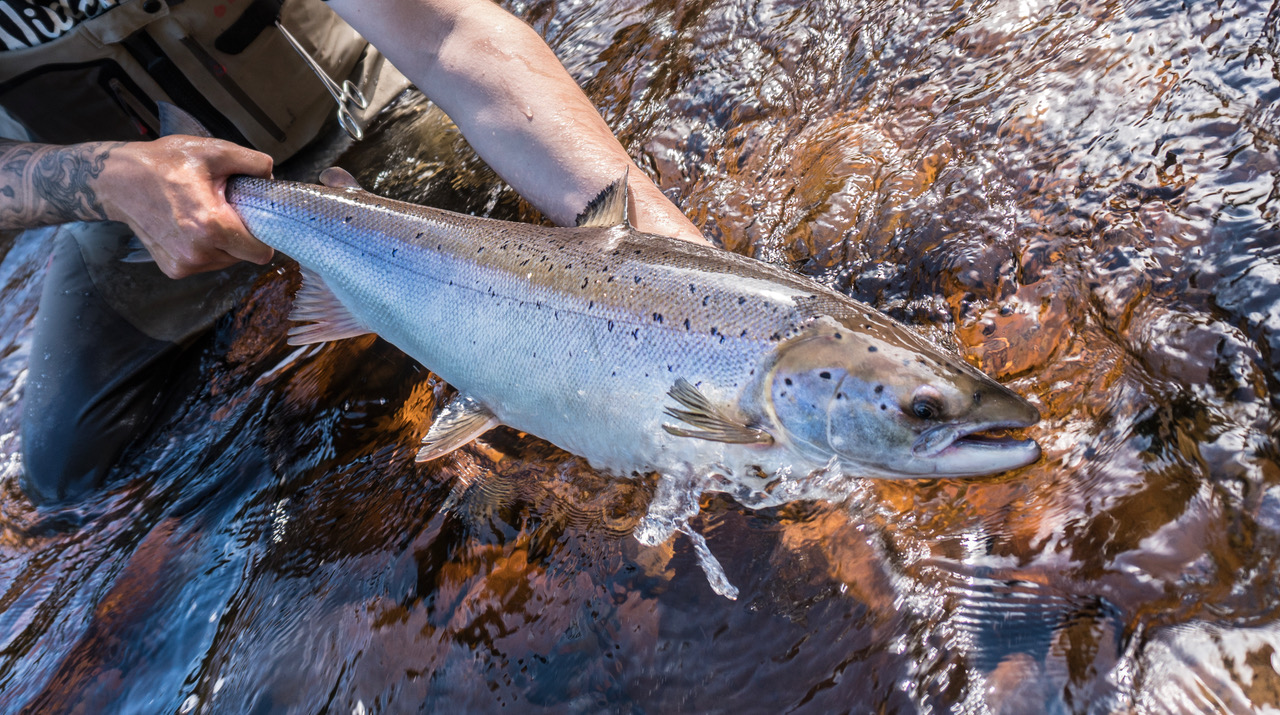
{"points": [[223, 61]]}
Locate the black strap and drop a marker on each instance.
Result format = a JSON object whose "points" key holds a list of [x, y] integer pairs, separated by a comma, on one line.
{"points": [[175, 84], [260, 15]]}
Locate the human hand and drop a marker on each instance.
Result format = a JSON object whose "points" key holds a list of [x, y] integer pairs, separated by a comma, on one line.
{"points": [[171, 192]]}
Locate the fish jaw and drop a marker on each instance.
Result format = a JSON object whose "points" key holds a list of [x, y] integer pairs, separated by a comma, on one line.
{"points": [[966, 450]]}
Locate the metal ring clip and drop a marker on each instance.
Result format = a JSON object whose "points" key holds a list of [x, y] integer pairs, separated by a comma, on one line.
{"points": [[346, 95]]}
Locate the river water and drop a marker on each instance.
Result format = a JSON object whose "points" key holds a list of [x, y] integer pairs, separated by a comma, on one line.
{"points": [[1082, 198]]}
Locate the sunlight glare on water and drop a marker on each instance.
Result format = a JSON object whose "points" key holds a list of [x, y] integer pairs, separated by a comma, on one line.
{"points": [[1082, 198]]}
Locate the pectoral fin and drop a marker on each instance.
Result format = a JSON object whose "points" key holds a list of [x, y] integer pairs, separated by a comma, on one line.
{"points": [[461, 421], [712, 423], [326, 317]]}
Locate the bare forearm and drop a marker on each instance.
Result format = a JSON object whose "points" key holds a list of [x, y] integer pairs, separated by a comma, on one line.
{"points": [[514, 102], [43, 184]]}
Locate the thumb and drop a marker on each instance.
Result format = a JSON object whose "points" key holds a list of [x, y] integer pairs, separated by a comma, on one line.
{"points": [[232, 159]]}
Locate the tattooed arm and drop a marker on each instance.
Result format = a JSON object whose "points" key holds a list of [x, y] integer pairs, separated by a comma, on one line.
{"points": [[170, 191], [42, 184]]}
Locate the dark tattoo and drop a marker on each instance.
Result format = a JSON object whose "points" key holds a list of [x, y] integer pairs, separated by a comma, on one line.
{"points": [[62, 178], [44, 184], [16, 159]]}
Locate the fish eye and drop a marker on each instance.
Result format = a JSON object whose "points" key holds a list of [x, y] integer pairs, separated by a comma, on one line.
{"points": [[926, 403]]}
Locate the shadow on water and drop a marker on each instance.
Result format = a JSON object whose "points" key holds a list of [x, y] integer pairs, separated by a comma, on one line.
{"points": [[1083, 198]]}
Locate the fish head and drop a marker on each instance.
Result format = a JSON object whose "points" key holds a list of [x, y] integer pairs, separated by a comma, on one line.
{"points": [[887, 403]]}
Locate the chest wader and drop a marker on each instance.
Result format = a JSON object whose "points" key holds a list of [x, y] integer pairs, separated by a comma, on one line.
{"points": [[108, 332]]}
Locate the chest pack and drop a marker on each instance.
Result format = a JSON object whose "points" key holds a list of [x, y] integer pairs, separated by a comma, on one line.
{"points": [[223, 61]]}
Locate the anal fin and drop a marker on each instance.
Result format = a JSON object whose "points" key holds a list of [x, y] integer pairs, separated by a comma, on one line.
{"points": [[461, 421], [326, 317]]}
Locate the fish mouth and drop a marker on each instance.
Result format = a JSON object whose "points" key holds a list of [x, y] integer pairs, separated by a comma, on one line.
{"points": [[976, 449]]}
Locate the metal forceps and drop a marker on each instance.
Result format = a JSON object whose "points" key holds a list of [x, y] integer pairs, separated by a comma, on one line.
{"points": [[346, 94]]}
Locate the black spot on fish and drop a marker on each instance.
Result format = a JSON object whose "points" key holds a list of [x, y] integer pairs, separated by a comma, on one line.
{"points": [[611, 326], [637, 251], [567, 266], [872, 348], [713, 331], [839, 336], [692, 289], [591, 304], [439, 246], [636, 333], [584, 283], [879, 389], [657, 317], [480, 250], [824, 375], [686, 323], [787, 381], [744, 334], [839, 395], [525, 262], [977, 398], [741, 300], [637, 280], [394, 251], [347, 219], [610, 280], [883, 407]]}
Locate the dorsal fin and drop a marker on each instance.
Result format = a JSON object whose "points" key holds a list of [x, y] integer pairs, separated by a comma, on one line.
{"points": [[176, 121], [335, 177], [711, 422], [609, 207], [327, 318]]}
